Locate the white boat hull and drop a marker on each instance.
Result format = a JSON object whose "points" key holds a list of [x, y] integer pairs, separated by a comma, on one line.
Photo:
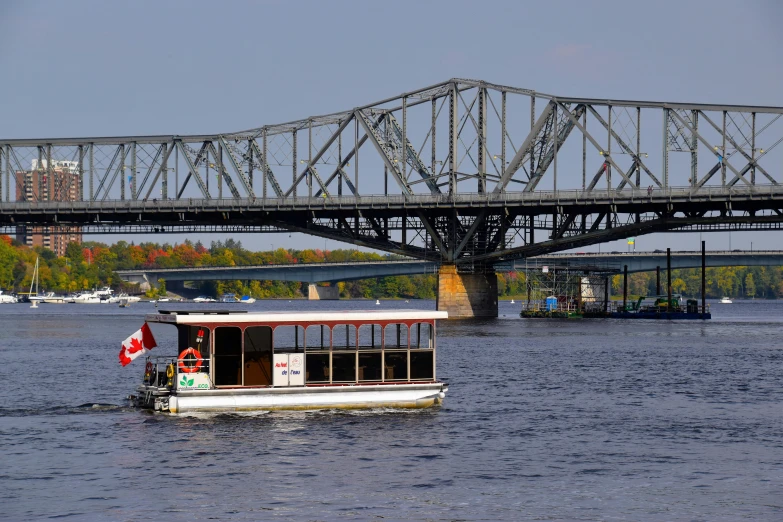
{"points": [[308, 398], [86, 300]]}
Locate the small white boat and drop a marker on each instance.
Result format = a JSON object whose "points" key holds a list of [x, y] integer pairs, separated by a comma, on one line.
{"points": [[130, 299], [7, 299], [231, 362], [377, 301], [42, 298], [105, 296], [246, 299], [512, 301], [725, 300], [52, 298], [85, 298]]}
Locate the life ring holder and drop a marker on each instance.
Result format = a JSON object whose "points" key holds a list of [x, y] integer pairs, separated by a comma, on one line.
{"points": [[184, 368]]}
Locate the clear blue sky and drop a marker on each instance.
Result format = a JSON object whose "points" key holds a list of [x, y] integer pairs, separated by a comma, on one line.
{"points": [[125, 68]]}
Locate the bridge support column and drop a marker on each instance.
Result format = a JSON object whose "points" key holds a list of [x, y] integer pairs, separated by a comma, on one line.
{"points": [[322, 293], [466, 296]]}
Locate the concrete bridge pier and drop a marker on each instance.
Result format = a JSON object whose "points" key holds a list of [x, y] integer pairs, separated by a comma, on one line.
{"points": [[466, 296], [322, 293]]}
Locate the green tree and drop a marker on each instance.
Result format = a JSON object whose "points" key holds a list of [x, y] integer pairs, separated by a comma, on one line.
{"points": [[750, 285], [678, 286], [74, 252]]}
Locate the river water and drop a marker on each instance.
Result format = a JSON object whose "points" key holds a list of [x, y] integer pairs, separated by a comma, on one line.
{"points": [[554, 420]]}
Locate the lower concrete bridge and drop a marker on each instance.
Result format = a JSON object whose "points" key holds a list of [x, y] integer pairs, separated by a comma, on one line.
{"points": [[305, 272], [466, 294]]}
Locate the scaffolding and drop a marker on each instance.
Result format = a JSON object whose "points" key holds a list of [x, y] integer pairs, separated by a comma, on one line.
{"points": [[566, 290]]}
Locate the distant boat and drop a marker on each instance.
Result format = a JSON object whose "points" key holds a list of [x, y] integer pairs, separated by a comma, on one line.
{"points": [[228, 298], [725, 300], [130, 299], [377, 301], [246, 299], [512, 301], [105, 296], [85, 298], [7, 299]]}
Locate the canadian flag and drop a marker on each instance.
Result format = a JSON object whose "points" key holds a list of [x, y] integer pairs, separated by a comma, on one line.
{"points": [[140, 342]]}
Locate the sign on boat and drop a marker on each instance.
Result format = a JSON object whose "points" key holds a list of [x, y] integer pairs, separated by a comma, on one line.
{"points": [[237, 361]]}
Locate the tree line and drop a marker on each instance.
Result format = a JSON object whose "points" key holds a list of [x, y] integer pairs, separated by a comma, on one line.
{"points": [[94, 264]]}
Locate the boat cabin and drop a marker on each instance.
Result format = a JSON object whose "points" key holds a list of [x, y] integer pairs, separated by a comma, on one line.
{"points": [[279, 349]]}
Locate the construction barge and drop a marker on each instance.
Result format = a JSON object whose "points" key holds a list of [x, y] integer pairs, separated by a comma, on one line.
{"points": [[576, 292], [662, 307]]}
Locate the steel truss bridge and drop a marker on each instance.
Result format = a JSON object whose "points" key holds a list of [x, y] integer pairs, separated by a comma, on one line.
{"points": [[463, 172]]}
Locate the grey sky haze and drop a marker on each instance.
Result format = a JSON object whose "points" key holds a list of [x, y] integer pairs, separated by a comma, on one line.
{"points": [[94, 68]]}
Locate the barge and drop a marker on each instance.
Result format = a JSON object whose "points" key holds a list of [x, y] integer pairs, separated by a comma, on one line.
{"points": [[662, 307], [232, 361]]}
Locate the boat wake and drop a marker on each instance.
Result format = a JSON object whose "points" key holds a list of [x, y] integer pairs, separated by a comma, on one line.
{"points": [[64, 410]]}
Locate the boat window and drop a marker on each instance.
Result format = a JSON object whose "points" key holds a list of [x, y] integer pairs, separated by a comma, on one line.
{"points": [[395, 365], [370, 336], [258, 356], [396, 336], [344, 337], [317, 337], [188, 338], [421, 336], [228, 356], [289, 338], [422, 365], [369, 366], [343, 367], [317, 367]]}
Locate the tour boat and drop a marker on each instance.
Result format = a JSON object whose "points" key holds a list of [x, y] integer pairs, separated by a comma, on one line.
{"points": [[237, 361], [725, 300]]}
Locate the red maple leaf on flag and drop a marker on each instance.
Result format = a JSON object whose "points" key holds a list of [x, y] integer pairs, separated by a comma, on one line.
{"points": [[135, 346]]}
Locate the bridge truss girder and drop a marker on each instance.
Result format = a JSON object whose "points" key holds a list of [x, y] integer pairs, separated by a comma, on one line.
{"points": [[449, 141], [471, 232]]}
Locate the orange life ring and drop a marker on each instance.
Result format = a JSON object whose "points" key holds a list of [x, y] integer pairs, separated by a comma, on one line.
{"points": [[184, 368]]}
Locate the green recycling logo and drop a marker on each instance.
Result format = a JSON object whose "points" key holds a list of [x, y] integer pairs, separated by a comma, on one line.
{"points": [[185, 381]]}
